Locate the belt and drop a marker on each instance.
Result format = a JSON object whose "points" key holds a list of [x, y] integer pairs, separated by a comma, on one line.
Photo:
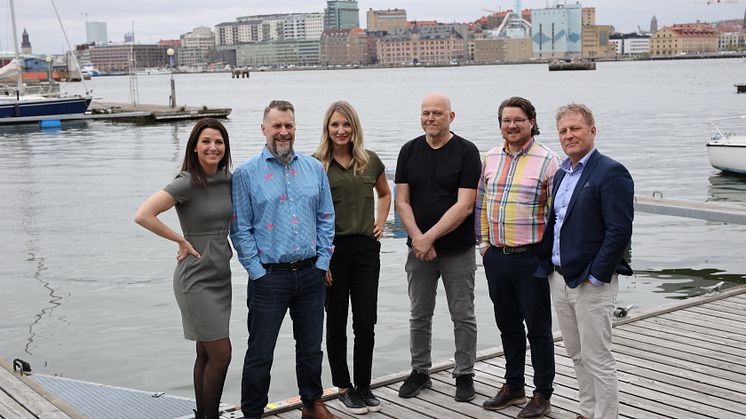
{"points": [[558, 270], [518, 249], [291, 266]]}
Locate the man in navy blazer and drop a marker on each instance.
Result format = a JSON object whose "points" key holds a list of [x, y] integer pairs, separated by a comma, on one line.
{"points": [[589, 227]]}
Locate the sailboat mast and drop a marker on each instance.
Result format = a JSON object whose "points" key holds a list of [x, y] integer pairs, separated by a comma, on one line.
{"points": [[19, 80]]}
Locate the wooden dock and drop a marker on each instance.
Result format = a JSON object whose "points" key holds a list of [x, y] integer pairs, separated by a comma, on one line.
{"points": [[158, 112], [686, 359], [683, 360]]}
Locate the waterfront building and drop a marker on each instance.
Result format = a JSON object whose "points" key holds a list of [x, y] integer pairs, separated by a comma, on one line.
{"points": [[389, 20], [341, 14], [690, 38], [115, 57], [495, 19], [556, 32], [630, 44], [494, 50], [95, 33], [195, 46], [25, 43], [732, 41], [595, 37], [282, 53], [419, 46], [344, 47], [653, 25], [129, 38]]}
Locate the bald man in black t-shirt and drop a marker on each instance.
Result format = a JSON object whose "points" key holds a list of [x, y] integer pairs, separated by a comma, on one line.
{"points": [[436, 185]]}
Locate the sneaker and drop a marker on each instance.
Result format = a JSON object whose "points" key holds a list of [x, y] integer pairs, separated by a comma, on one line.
{"points": [[464, 388], [353, 402], [370, 399], [505, 397], [416, 382], [537, 407]]}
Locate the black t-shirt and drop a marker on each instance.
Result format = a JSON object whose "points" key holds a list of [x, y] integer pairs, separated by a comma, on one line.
{"points": [[434, 177]]}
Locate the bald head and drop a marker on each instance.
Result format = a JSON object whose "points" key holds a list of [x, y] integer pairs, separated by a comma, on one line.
{"points": [[438, 99], [436, 118]]}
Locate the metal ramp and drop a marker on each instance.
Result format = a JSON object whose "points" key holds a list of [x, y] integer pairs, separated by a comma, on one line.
{"points": [[93, 400]]}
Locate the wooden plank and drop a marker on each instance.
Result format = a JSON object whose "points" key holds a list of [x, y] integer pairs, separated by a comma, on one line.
{"points": [[724, 307], [664, 389], [713, 351], [688, 339], [702, 331], [422, 406], [706, 310], [710, 315], [720, 325], [729, 303], [31, 400], [398, 410], [10, 408], [566, 392]]}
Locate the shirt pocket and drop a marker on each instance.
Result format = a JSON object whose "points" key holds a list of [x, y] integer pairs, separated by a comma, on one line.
{"points": [[369, 183]]}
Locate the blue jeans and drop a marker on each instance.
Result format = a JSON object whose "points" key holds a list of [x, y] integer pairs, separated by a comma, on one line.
{"points": [[518, 296], [269, 298]]}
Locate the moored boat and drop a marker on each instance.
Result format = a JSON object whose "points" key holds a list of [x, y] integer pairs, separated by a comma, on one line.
{"points": [[727, 150]]}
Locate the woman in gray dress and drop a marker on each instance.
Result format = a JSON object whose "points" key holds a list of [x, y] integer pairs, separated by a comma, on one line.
{"points": [[201, 194]]}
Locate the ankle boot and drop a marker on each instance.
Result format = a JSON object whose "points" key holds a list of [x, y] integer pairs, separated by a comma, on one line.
{"points": [[317, 411]]}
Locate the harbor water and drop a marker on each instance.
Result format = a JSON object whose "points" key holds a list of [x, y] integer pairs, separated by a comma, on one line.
{"points": [[86, 293]]}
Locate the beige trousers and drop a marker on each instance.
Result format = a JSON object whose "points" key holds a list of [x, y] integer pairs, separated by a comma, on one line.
{"points": [[585, 315]]}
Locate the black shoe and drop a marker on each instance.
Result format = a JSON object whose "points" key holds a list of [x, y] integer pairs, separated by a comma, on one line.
{"points": [[537, 407], [464, 388], [415, 383], [353, 402], [505, 397], [370, 399]]}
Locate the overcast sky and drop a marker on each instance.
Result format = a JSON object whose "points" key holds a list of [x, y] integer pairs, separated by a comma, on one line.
{"points": [[167, 19]]}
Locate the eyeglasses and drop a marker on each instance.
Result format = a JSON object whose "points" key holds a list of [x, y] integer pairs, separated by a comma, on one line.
{"points": [[517, 121]]}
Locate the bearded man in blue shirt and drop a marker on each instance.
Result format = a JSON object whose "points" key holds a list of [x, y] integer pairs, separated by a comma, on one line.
{"points": [[283, 231]]}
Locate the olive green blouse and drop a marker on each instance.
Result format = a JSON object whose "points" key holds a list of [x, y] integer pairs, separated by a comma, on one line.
{"points": [[353, 196]]}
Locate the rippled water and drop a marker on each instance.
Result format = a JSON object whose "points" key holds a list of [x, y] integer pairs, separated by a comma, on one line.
{"points": [[87, 294]]}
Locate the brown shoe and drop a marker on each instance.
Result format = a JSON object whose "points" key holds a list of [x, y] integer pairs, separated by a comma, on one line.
{"points": [[537, 407], [581, 417], [505, 397], [317, 411]]}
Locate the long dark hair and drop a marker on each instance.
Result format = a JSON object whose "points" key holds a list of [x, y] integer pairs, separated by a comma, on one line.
{"points": [[191, 160]]}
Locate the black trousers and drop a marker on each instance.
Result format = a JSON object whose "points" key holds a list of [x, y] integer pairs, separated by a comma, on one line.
{"points": [[355, 267]]}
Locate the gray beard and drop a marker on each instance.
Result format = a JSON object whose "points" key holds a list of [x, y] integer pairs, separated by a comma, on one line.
{"points": [[283, 155]]}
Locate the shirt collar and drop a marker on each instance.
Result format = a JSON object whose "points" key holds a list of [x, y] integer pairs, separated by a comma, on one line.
{"points": [[566, 164], [267, 155], [524, 149]]}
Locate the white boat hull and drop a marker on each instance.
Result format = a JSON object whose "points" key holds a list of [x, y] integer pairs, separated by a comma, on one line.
{"points": [[728, 157]]}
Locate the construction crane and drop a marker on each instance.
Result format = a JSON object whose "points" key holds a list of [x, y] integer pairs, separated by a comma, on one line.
{"points": [[494, 12]]}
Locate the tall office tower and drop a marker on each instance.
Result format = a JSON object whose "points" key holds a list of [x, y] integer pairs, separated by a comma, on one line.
{"points": [[95, 32], [341, 14]]}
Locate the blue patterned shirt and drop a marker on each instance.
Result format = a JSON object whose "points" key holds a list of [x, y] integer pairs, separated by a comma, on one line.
{"points": [[281, 213]]}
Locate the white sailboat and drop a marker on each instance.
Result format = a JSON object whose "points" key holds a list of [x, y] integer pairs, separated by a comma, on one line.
{"points": [[15, 103]]}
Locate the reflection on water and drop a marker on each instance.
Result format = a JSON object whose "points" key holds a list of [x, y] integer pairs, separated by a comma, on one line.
{"points": [[683, 283], [727, 187]]}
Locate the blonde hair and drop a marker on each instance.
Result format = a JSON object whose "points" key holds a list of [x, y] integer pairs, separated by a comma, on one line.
{"points": [[324, 152], [583, 110]]}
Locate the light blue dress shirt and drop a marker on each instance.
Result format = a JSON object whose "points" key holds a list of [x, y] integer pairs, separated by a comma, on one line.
{"points": [[281, 213], [562, 200]]}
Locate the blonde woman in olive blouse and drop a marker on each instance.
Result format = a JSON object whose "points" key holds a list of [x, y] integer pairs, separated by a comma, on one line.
{"points": [[354, 173]]}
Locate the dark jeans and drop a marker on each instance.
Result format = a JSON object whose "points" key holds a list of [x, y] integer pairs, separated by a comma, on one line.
{"points": [[518, 296], [269, 298], [355, 267]]}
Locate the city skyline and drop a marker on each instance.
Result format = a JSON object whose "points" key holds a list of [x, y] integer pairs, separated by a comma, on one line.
{"points": [[169, 19]]}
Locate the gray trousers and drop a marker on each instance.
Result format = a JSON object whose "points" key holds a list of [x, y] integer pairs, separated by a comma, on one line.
{"points": [[584, 316], [457, 271]]}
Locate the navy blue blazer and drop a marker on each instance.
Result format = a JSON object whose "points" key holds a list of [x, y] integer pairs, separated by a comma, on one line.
{"points": [[598, 224]]}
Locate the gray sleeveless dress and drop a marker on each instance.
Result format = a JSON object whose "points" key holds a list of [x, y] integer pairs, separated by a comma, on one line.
{"points": [[203, 285]]}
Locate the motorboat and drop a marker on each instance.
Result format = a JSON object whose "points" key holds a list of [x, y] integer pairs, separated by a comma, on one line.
{"points": [[727, 149], [16, 102]]}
